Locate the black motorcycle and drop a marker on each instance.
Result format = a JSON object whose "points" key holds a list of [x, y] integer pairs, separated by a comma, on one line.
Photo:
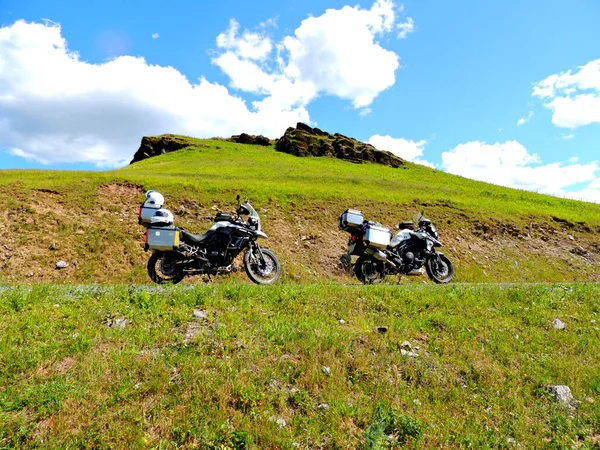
{"points": [[178, 253], [407, 253]]}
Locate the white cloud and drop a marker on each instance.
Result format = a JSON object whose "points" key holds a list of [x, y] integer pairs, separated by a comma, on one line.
{"points": [[510, 164], [404, 29], [335, 53], [409, 150], [573, 97], [155, 36], [56, 108], [567, 136], [251, 46], [524, 120]]}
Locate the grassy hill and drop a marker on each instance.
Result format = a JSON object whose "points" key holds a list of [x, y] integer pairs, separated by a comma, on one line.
{"points": [[88, 219], [309, 362]]}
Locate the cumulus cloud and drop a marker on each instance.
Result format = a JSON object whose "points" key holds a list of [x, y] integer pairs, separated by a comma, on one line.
{"points": [[406, 149], [55, 107], [572, 96], [510, 164], [336, 53], [155, 35]]}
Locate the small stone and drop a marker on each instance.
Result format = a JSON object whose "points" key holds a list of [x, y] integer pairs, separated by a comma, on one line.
{"points": [[323, 407], [199, 314], [589, 400], [511, 441], [342, 321], [280, 421], [571, 238], [56, 305], [407, 345], [558, 324], [30, 274], [417, 402], [62, 265], [120, 323], [382, 329], [408, 353], [326, 370], [563, 395]]}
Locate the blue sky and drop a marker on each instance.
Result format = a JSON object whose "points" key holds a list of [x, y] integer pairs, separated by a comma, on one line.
{"points": [[506, 92]]}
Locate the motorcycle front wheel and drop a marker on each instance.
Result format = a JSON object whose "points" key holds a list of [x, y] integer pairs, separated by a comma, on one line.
{"points": [[368, 270], [440, 271], [265, 270], [162, 268]]}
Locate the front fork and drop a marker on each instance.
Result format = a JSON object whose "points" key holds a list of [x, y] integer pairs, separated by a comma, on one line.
{"points": [[256, 250]]}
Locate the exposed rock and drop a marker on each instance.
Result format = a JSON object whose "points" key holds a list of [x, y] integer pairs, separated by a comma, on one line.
{"points": [[280, 421], [323, 407], [62, 265], [382, 329], [200, 314], [558, 324], [250, 139], [408, 353], [306, 141], [112, 322], [326, 370], [562, 394], [159, 145]]}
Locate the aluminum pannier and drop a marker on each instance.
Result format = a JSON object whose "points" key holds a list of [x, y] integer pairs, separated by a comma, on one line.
{"points": [[146, 213], [351, 219], [163, 238], [377, 237]]}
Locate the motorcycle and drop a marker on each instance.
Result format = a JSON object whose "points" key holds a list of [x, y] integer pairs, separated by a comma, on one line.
{"points": [[407, 253], [178, 253]]}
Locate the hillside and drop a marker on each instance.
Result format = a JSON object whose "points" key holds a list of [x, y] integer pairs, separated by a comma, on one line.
{"points": [[89, 219]]}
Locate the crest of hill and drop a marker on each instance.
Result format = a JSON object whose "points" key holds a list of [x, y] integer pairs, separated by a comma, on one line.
{"points": [[302, 141]]}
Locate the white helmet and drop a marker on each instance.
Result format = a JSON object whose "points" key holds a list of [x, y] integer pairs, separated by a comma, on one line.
{"points": [[154, 200], [162, 217]]}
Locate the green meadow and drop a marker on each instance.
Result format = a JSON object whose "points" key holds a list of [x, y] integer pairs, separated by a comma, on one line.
{"points": [[287, 366]]}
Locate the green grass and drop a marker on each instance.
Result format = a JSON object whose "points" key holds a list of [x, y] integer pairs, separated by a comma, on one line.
{"points": [[491, 233], [167, 380]]}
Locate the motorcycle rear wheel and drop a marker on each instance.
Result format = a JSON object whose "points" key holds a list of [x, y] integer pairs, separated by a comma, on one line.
{"points": [[162, 270], [368, 270], [441, 271], [267, 272]]}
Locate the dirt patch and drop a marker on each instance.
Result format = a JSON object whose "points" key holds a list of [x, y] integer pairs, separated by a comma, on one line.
{"points": [[56, 367]]}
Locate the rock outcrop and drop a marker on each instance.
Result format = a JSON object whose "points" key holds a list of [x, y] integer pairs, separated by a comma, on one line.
{"points": [[250, 139], [307, 141], [159, 145]]}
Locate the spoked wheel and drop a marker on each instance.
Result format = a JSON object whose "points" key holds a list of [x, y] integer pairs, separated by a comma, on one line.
{"points": [[262, 270], [368, 270], [440, 270], [162, 268]]}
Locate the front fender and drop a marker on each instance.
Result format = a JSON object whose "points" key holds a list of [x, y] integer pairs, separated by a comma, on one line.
{"points": [[262, 235]]}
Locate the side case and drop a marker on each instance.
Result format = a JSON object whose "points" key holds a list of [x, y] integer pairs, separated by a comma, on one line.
{"points": [[164, 238]]}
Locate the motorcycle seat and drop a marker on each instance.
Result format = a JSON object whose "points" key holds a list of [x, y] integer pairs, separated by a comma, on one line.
{"points": [[193, 238]]}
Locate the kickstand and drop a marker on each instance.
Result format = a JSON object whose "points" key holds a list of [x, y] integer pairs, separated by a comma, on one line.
{"points": [[208, 279]]}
